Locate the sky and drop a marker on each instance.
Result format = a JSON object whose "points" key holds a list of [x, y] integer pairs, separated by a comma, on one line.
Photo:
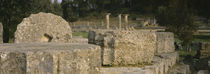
{"points": [[59, 1]]}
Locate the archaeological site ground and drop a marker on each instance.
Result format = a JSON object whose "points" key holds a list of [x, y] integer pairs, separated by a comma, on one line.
{"points": [[44, 44]]}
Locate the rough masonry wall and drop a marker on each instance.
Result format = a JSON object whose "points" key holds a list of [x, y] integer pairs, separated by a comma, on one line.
{"points": [[49, 58], [43, 27], [165, 42], [121, 47], [161, 65], [1, 33]]}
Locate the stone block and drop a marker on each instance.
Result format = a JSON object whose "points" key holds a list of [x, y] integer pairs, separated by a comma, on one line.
{"points": [[121, 47], [161, 65], [1, 33], [124, 70], [165, 42], [43, 27], [50, 58]]}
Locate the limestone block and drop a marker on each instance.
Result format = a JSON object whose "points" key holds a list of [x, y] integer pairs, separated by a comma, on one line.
{"points": [[203, 72], [49, 58], [124, 70], [43, 27], [161, 65], [12, 63], [121, 47], [165, 42], [180, 69], [1, 33]]}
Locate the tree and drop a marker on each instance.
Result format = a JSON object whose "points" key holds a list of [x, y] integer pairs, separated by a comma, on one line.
{"points": [[68, 10], [11, 13], [57, 9], [178, 18]]}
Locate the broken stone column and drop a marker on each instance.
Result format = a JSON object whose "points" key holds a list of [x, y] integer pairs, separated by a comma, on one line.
{"points": [[49, 58], [107, 20], [126, 20], [43, 27], [120, 21], [1, 33]]}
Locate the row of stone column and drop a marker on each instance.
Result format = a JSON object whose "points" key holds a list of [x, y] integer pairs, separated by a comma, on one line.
{"points": [[120, 20]]}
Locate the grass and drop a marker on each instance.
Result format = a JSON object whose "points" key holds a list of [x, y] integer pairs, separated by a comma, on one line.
{"points": [[82, 34]]}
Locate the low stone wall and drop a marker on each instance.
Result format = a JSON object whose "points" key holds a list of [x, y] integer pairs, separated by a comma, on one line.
{"points": [[121, 47], [161, 65], [52, 58], [1, 33], [165, 42], [205, 49]]}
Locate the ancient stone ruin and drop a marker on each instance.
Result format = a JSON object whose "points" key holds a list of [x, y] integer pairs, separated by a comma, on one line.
{"points": [[49, 58], [44, 45], [149, 52], [43, 27], [1, 33]]}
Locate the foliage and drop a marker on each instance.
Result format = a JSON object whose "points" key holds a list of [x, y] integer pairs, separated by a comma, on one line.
{"points": [[177, 17]]}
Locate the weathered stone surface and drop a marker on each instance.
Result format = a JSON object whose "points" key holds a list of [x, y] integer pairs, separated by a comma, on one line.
{"points": [[78, 39], [43, 27], [121, 47], [124, 70], [165, 42], [203, 72], [180, 69], [1, 33], [53, 58], [161, 65], [205, 49]]}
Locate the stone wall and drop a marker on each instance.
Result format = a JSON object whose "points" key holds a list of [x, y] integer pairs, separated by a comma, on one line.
{"points": [[121, 47], [165, 42], [205, 49], [43, 27], [49, 58], [1, 33], [161, 65]]}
